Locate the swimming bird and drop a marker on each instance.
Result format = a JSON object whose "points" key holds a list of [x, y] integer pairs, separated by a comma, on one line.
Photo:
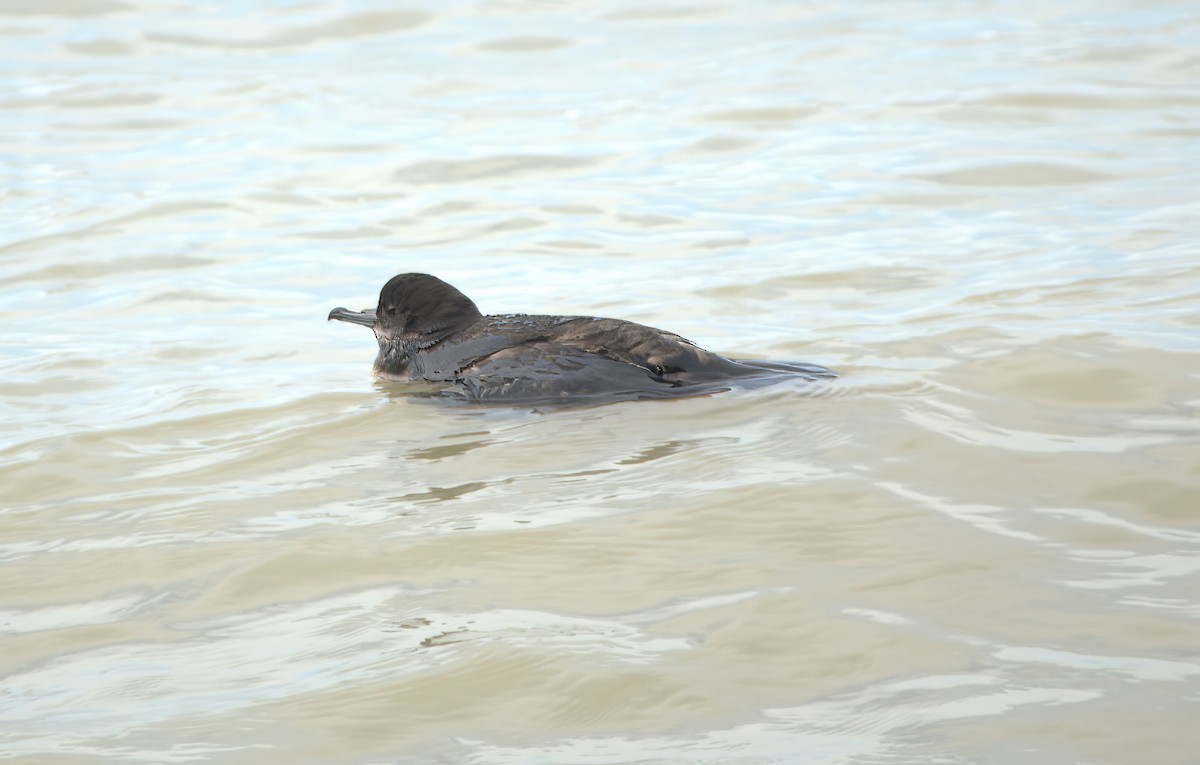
{"points": [[428, 330]]}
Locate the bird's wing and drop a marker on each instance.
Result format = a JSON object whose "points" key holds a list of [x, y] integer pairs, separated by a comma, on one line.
{"points": [[552, 371]]}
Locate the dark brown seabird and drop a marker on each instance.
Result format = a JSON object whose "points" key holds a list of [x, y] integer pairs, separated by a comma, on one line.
{"points": [[428, 330]]}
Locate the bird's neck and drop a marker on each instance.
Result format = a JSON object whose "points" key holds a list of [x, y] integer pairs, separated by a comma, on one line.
{"points": [[394, 359]]}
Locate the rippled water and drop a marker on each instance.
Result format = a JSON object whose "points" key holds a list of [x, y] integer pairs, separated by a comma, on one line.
{"points": [[222, 541]]}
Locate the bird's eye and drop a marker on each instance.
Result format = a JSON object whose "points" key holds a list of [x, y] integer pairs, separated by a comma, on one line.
{"points": [[391, 309]]}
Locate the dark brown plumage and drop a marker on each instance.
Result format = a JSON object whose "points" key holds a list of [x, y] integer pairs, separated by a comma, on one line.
{"points": [[428, 330]]}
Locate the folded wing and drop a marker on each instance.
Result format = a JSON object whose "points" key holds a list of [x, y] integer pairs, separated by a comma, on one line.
{"points": [[551, 371]]}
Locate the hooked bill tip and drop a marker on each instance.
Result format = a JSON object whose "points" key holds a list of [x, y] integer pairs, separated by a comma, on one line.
{"points": [[365, 318]]}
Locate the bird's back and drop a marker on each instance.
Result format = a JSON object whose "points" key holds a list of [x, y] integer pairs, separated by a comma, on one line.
{"points": [[526, 357]]}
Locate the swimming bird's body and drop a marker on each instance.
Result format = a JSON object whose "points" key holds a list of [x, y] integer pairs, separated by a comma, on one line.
{"points": [[428, 330]]}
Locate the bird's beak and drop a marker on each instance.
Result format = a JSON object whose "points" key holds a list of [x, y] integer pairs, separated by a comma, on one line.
{"points": [[365, 317]]}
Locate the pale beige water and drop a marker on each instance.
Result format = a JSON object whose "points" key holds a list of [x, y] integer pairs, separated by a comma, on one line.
{"points": [[221, 541]]}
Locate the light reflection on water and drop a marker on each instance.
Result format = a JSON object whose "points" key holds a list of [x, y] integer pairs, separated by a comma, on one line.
{"points": [[223, 540]]}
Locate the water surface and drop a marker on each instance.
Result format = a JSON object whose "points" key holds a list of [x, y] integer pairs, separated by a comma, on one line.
{"points": [[222, 541]]}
